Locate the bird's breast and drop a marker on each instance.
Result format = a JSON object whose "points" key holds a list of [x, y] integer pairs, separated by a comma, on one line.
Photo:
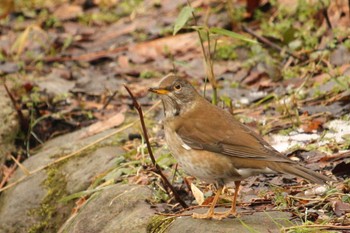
{"points": [[204, 165]]}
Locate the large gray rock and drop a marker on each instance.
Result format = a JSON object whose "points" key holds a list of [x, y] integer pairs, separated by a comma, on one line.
{"points": [[269, 222], [33, 205], [118, 208]]}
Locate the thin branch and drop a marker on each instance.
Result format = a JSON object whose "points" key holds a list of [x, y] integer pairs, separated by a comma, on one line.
{"points": [[109, 99], [156, 167], [23, 121], [324, 227], [328, 21], [10, 171]]}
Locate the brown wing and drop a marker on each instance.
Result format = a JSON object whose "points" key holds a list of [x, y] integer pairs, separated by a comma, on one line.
{"points": [[223, 134]]}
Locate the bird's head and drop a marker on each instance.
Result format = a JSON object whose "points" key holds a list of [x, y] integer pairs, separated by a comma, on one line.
{"points": [[177, 94]]}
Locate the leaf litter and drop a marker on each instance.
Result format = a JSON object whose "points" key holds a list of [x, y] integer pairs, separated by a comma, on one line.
{"points": [[75, 63]]}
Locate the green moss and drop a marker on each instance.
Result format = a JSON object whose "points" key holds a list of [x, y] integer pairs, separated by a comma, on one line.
{"points": [[159, 223], [126, 7], [285, 132], [280, 198], [47, 215], [99, 18], [304, 35], [147, 74], [226, 52]]}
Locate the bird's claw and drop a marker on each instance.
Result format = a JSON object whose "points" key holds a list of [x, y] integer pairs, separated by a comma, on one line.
{"points": [[216, 216]]}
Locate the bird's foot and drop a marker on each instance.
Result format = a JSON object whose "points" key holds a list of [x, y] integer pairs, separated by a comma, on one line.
{"points": [[217, 215], [223, 215], [202, 216]]}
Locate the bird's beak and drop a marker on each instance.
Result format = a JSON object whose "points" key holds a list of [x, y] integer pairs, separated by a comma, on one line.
{"points": [[159, 91]]}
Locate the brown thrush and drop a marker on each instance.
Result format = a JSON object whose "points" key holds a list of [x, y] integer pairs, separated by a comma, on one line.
{"points": [[211, 145]]}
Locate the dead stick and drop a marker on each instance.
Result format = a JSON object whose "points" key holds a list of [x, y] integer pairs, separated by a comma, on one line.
{"points": [[157, 168], [24, 123], [109, 99], [268, 42], [328, 21]]}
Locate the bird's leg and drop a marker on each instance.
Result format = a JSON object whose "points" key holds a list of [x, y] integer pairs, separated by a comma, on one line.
{"points": [[233, 207], [232, 210], [210, 212]]}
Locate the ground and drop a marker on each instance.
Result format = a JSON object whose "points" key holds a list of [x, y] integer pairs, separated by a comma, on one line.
{"points": [[285, 74]]}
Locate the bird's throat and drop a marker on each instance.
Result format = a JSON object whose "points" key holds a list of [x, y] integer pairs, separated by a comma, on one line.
{"points": [[171, 108]]}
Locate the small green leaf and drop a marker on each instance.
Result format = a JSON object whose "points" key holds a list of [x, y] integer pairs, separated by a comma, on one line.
{"points": [[81, 194], [234, 35], [182, 19]]}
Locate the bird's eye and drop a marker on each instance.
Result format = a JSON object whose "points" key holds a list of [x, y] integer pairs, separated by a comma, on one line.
{"points": [[177, 87]]}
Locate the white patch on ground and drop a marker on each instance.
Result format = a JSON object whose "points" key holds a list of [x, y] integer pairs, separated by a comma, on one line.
{"points": [[337, 130], [284, 142], [244, 100]]}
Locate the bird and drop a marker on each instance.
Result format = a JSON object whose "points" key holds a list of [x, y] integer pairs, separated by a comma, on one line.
{"points": [[211, 145]]}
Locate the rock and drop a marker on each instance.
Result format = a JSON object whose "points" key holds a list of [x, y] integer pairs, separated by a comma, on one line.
{"points": [[340, 56], [33, 205], [9, 68], [261, 222], [119, 208]]}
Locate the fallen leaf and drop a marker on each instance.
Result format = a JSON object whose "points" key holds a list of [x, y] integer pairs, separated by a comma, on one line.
{"points": [[68, 11], [340, 208], [198, 195], [159, 47], [104, 125], [312, 125]]}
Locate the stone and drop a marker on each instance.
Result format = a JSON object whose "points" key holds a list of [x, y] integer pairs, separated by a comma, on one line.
{"points": [[261, 222], [34, 204], [118, 208]]}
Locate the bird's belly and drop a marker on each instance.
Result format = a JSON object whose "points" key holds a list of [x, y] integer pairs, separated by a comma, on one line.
{"points": [[204, 165]]}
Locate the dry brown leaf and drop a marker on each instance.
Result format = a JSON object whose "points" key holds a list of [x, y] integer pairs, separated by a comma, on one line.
{"points": [[123, 62], [78, 204], [172, 44], [340, 208], [68, 11], [106, 3], [104, 125], [312, 125]]}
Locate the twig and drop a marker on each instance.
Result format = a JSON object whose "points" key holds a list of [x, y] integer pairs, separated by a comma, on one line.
{"points": [[23, 121], [349, 7], [157, 168], [23, 168], [269, 43], [328, 21], [329, 227], [9, 173], [109, 99], [336, 157]]}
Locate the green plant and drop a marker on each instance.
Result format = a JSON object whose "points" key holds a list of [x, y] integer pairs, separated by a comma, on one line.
{"points": [[209, 36]]}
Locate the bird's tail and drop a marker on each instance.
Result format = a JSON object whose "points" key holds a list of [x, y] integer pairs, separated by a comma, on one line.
{"points": [[300, 171]]}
